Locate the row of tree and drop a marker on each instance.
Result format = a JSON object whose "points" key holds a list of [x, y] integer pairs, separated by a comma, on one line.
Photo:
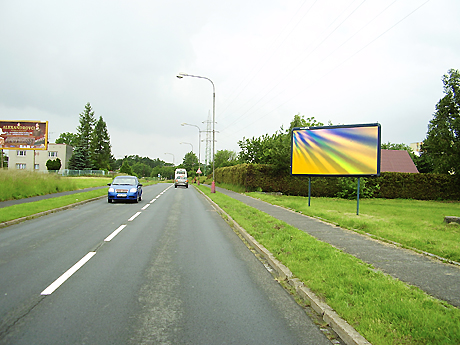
{"points": [[92, 149]]}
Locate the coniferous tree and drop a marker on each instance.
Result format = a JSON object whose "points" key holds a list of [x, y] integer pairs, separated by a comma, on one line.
{"points": [[101, 154], [78, 159], [84, 139]]}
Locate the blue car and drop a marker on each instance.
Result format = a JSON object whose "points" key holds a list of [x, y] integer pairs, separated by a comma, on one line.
{"points": [[125, 188]]}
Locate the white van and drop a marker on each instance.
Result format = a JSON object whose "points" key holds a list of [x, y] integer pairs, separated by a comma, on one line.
{"points": [[180, 178]]}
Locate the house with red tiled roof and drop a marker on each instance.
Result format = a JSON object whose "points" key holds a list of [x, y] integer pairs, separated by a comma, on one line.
{"points": [[396, 161]]}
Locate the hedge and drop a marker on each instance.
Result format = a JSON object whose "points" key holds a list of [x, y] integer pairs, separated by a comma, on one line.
{"points": [[388, 185]]}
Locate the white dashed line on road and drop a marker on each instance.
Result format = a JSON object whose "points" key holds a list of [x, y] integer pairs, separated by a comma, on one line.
{"points": [[115, 233], [58, 282], [134, 216]]}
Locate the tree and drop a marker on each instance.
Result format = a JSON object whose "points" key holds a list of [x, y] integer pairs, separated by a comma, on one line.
{"points": [[100, 147], [190, 163], [225, 158], [141, 169], [67, 138], [4, 159], [273, 149], [442, 144], [84, 138], [53, 164], [164, 171], [78, 159], [136, 159], [126, 168]]}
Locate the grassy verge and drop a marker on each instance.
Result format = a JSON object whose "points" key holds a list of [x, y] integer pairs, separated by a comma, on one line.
{"points": [[31, 208], [412, 223], [382, 309], [16, 184]]}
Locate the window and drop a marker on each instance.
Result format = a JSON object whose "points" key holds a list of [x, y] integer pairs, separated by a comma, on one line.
{"points": [[37, 166], [52, 154], [20, 166], [21, 153]]}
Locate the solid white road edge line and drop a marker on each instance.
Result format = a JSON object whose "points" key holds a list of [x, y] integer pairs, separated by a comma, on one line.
{"points": [[58, 282], [115, 233], [134, 216]]}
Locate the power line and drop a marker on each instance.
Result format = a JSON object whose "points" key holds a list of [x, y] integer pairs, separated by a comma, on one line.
{"points": [[343, 62], [301, 61]]}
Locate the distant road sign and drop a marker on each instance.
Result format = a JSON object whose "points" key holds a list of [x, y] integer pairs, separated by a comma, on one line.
{"points": [[198, 171]]}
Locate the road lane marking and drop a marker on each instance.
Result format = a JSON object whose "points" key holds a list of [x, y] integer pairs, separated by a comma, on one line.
{"points": [[143, 208], [58, 282], [115, 233], [153, 201], [134, 216]]}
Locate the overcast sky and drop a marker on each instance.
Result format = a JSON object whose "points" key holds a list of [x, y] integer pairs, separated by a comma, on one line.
{"points": [[343, 61]]}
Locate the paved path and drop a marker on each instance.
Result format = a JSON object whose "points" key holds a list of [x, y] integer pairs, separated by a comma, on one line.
{"points": [[436, 278]]}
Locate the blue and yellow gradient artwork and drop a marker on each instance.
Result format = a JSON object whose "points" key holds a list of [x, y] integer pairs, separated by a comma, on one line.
{"points": [[338, 151]]}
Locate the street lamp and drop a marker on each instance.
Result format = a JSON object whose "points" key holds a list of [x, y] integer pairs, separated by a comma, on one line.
{"points": [[189, 144], [199, 142], [180, 76], [167, 153]]}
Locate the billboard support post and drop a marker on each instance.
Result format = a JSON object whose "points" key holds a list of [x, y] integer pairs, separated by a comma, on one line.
{"points": [[357, 199], [309, 190]]}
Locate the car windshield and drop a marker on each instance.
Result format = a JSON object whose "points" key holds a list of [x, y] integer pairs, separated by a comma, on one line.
{"points": [[124, 180]]}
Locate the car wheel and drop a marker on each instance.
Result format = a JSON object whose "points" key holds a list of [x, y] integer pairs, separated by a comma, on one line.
{"points": [[140, 197], [175, 186], [109, 201]]}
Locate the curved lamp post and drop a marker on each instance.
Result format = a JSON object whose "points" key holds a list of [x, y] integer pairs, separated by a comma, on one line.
{"points": [[188, 144], [199, 142], [167, 153], [182, 75]]}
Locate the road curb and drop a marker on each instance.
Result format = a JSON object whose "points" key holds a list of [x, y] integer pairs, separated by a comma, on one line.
{"points": [[44, 213], [344, 330]]}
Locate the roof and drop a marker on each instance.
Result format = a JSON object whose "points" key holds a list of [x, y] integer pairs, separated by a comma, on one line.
{"points": [[397, 161]]}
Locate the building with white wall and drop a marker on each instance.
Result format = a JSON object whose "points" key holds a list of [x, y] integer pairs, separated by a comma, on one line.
{"points": [[36, 160]]}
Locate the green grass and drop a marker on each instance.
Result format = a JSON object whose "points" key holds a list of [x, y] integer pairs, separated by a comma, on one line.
{"points": [[16, 184], [26, 184], [412, 223], [382, 309], [31, 208]]}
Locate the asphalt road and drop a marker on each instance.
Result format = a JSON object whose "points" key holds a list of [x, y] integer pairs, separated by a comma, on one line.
{"points": [[168, 270]]}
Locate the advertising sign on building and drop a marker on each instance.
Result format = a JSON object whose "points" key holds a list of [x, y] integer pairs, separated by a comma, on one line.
{"points": [[24, 135]]}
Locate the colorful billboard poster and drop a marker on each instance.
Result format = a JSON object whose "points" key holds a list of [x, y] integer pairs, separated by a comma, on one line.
{"points": [[352, 150], [24, 135]]}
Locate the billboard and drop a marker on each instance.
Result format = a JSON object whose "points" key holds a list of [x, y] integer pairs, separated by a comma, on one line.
{"points": [[350, 150], [24, 135]]}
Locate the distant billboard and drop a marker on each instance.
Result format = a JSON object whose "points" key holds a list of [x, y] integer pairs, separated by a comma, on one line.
{"points": [[24, 135], [352, 150]]}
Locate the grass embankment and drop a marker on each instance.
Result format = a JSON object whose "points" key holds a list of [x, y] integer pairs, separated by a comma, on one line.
{"points": [[413, 223], [382, 309], [25, 184], [31, 208]]}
